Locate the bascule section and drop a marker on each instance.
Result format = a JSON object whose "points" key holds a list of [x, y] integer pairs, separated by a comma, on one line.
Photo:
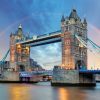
{"points": [[19, 54], [74, 54]]}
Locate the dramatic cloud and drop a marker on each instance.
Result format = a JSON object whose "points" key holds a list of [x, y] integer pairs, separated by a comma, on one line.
{"points": [[43, 16], [47, 55]]}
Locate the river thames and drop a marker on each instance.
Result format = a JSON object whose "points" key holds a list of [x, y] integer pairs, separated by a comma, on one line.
{"points": [[44, 91]]}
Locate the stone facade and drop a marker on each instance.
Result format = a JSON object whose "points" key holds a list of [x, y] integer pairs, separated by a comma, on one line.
{"points": [[65, 77], [74, 54], [61, 75], [19, 54]]}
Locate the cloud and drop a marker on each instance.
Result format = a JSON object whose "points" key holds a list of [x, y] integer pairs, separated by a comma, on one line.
{"points": [[47, 55]]}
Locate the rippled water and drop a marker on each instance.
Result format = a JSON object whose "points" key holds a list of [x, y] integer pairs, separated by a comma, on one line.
{"points": [[43, 91]]}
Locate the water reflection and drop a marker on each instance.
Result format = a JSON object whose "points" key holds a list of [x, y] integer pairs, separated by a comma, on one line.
{"points": [[63, 94], [43, 91], [71, 93], [19, 92]]}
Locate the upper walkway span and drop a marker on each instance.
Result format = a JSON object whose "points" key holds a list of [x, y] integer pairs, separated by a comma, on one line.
{"points": [[42, 39]]}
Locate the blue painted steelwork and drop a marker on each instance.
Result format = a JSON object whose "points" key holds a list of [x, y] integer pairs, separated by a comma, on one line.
{"points": [[30, 74], [54, 32], [41, 37], [95, 48], [93, 43], [25, 74], [46, 42], [90, 71], [4, 58]]}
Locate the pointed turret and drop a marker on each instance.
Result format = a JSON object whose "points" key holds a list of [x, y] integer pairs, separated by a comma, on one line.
{"points": [[62, 19], [84, 21], [11, 34], [20, 30], [74, 14], [20, 26]]}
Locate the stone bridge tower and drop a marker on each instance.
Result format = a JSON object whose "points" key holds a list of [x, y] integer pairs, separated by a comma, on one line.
{"points": [[74, 54], [19, 54]]}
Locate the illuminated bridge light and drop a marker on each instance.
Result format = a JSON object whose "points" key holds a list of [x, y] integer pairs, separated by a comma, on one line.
{"points": [[18, 45]]}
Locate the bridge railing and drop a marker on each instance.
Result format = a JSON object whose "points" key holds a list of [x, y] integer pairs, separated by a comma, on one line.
{"points": [[38, 36]]}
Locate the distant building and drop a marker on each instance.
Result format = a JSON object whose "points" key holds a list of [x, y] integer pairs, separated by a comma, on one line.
{"points": [[34, 65]]}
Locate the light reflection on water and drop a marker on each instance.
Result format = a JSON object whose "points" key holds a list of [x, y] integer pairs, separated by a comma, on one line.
{"points": [[43, 91], [19, 92], [63, 94]]}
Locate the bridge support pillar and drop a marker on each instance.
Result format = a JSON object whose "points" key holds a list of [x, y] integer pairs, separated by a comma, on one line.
{"points": [[64, 77], [87, 79]]}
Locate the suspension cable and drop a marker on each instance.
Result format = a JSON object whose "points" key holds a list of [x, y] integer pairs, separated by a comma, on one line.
{"points": [[4, 58]]}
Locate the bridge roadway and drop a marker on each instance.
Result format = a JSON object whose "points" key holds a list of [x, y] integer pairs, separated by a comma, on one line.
{"points": [[30, 74], [90, 71], [42, 39], [50, 72]]}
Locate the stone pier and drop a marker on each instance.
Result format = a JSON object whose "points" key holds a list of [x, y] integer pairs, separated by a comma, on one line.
{"points": [[65, 77]]}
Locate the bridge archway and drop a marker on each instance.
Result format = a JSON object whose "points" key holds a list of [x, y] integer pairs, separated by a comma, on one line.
{"points": [[21, 68], [80, 64]]}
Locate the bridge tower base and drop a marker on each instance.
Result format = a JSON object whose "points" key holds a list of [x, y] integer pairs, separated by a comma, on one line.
{"points": [[64, 77]]}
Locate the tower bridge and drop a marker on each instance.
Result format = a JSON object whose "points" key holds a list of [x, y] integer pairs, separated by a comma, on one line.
{"points": [[74, 44]]}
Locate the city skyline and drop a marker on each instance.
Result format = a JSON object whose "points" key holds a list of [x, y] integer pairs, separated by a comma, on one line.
{"points": [[47, 19]]}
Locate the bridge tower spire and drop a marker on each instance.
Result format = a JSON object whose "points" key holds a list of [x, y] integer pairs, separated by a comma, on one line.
{"points": [[20, 32], [74, 54]]}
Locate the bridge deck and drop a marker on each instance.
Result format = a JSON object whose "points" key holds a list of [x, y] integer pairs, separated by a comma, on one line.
{"points": [[90, 71]]}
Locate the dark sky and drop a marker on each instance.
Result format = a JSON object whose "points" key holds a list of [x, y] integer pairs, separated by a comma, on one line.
{"points": [[43, 16]]}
